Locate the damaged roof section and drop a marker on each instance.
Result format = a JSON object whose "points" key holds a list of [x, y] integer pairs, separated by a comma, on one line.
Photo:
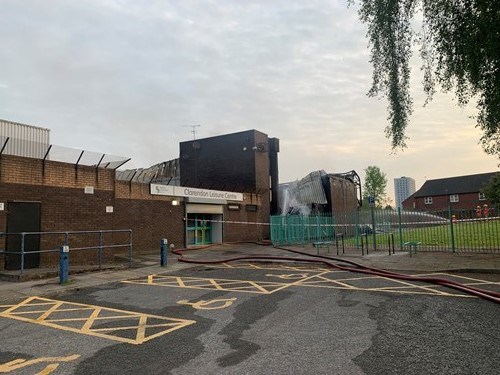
{"points": [[167, 173], [320, 192]]}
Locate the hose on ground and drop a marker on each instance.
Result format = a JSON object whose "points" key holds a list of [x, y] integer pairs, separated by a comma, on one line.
{"points": [[353, 267]]}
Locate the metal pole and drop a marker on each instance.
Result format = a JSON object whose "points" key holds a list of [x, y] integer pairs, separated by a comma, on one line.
{"points": [[22, 252], [130, 250], [400, 230], [337, 243], [356, 218], [373, 228], [163, 252], [63, 264], [451, 230], [100, 249]]}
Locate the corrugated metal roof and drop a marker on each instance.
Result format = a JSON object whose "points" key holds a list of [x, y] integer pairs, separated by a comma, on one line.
{"points": [[167, 172], [23, 140], [23, 125]]}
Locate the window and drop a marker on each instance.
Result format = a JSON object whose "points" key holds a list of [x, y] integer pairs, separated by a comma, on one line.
{"points": [[482, 196], [428, 200], [454, 198]]}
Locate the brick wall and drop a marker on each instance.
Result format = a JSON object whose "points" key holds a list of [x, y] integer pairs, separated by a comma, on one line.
{"points": [[256, 230], [59, 187], [343, 195], [465, 201]]}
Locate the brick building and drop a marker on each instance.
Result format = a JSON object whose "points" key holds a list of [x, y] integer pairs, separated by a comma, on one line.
{"points": [[230, 202], [462, 192]]}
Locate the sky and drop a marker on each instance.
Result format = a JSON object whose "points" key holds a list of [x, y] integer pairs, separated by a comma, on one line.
{"points": [[129, 77]]}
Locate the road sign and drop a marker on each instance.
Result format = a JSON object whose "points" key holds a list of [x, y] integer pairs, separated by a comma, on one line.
{"points": [[371, 200]]}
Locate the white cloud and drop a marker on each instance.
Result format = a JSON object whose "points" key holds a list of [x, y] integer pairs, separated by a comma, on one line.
{"points": [[125, 76]]}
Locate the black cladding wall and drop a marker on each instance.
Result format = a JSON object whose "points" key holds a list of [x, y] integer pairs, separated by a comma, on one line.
{"points": [[234, 162]]}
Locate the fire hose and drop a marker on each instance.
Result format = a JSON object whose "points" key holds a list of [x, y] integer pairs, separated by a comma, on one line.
{"points": [[352, 267]]}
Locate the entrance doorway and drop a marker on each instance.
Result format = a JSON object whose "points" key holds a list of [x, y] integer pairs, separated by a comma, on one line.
{"points": [[22, 217], [199, 229]]}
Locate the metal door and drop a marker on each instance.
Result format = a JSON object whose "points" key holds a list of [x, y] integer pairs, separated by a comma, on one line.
{"points": [[22, 217]]}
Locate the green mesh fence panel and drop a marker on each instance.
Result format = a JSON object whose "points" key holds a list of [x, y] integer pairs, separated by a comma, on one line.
{"points": [[457, 230], [298, 229]]}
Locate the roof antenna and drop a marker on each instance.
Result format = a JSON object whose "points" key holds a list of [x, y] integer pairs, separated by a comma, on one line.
{"points": [[193, 131], [195, 146]]}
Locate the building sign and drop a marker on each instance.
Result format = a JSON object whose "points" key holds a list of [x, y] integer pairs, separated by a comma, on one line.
{"points": [[187, 192]]}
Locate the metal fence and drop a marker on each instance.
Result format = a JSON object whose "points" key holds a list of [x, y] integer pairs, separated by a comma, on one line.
{"points": [[299, 229], [47, 152], [455, 230], [86, 247]]}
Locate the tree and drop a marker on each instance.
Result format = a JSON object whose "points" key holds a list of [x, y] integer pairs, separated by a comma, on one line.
{"points": [[459, 45], [492, 190], [375, 185]]}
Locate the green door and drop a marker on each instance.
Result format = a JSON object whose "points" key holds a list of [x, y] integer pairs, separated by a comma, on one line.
{"points": [[199, 229]]}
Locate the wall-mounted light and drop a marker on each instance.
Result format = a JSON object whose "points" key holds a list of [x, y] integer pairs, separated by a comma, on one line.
{"points": [[175, 203]]}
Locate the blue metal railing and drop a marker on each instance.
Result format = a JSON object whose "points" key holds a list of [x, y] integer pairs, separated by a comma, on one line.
{"points": [[69, 237]]}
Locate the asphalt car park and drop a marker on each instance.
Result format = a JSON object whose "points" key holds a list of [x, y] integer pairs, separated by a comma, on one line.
{"points": [[265, 318]]}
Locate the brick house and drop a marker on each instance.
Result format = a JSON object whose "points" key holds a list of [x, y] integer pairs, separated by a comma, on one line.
{"points": [[462, 192]]}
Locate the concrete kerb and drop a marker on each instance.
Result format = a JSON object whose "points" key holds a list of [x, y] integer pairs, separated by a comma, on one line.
{"points": [[40, 286]]}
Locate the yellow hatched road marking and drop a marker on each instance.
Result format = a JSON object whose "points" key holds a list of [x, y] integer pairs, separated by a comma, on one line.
{"points": [[91, 319], [85, 319], [18, 364], [430, 293], [116, 329], [180, 282], [312, 282], [49, 369], [140, 323], [298, 282], [423, 287], [259, 287], [398, 290], [407, 284], [214, 283], [141, 331], [247, 286], [448, 274], [278, 268], [315, 280]]}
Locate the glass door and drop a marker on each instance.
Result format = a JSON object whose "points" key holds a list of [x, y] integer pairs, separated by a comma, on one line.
{"points": [[199, 229]]}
